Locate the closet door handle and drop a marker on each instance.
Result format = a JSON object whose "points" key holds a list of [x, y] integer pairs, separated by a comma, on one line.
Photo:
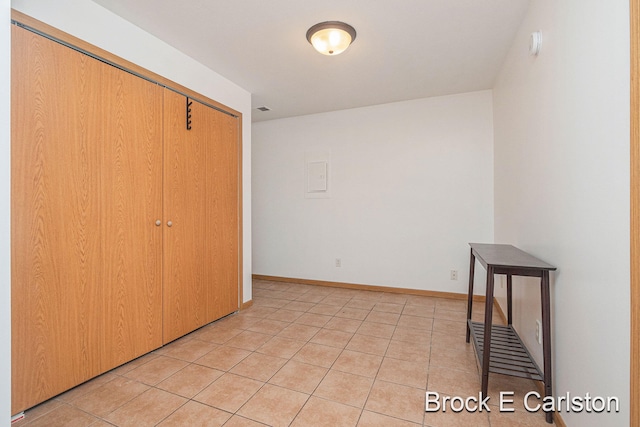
{"points": [[169, 223], [158, 222]]}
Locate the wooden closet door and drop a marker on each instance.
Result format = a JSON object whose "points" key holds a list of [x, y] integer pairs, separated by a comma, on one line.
{"points": [[55, 218], [131, 152], [185, 257], [222, 225]]}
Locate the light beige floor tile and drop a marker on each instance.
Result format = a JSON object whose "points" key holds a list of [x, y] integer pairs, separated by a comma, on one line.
{"points": [[411, 335], [368, 344], [237, 321], [217, 335], [372, 419], [312, 319], [223, 358], [62, 416], [413, 374], [299, 376], [343, 324], [190, 350], [388, 307], [519, 386], [449, 418], [457, 341], [453, 382], [271, 302], [324, 413], [101, 423], [317, 354], [368, 295], [394, 298], [299, 332], [80, 390], [196, 414], [419, 310], [325, 309], [361, 304], [121, 370], [274, 406], [148, 409], [268, 326], [415, 322], [284, 315], [238, 421], [335, 301], [379, 330], [332, 338], [156, 370], [352, 313], [320, 290], [451, 304], [302, 340], [454, 357], [383, 317], [229, 392], [110, 396], [311, 297], [397, 401], [449, 327], [248, 340], [38, 411], [299, 306], [442, 313], [518, 419], [345, 388], [259, 366], [358, 363], [281, 347], [421, 300], [190, 381], [260, 312]]}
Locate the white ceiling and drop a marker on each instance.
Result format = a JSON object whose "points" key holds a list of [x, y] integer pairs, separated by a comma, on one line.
{"points": [[404, 49]]}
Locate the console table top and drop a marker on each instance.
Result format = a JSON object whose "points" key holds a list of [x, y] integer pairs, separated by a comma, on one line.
{"points": [[498, 255]]}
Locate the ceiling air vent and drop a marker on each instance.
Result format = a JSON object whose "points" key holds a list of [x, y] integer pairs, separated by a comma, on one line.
{"points": [[263, 108]]}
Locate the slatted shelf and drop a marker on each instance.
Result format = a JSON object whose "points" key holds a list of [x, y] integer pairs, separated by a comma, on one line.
{"points": [[508, 354]]}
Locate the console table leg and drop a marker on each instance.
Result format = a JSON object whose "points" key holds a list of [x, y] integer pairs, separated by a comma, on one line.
{"points": [[509, 299], [546, 337], [472, 266], [488, 321]]}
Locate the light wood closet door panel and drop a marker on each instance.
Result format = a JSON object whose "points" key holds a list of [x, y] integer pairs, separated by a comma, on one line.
{"points": [[55, 219], [184, 297], [131, 204], [222, 215]]}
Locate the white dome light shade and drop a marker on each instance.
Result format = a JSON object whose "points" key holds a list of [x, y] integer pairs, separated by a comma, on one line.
{"points": [[332, 37]]}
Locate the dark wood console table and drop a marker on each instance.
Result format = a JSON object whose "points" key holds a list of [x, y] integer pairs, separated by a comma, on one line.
{"points": [[506, 354]]}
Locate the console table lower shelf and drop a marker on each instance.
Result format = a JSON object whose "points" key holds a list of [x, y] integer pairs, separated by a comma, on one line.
{"points": [[508, 355]]}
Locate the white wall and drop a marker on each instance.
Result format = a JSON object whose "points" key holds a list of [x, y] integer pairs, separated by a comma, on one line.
{"points": [[411, 183], [562, 189], [5, 214], [98, 26]]}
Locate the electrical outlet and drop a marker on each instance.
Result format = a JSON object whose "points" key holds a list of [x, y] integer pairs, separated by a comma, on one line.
{"points": [[338, 262], [538, 332], [454, 274]]}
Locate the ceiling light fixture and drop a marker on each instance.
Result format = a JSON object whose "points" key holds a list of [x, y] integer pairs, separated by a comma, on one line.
{"points": [[331, 37]]}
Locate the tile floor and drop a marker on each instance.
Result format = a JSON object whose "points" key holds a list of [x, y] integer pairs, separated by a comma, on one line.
{"points": [[300, 356]]}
